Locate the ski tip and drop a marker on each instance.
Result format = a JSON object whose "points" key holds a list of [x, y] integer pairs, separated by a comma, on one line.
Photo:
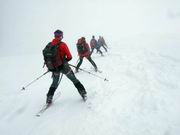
{"points": [[99, 71], [23, 88], [106, 79], [38, 115]]}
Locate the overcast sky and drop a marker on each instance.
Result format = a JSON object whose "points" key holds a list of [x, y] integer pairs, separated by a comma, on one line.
{"points": [[29, 24]]}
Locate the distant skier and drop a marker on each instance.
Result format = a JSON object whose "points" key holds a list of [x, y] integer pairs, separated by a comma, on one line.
{"points": [[63, 67], [84, 51], [101, 43], [104, 42], [93, 44]]}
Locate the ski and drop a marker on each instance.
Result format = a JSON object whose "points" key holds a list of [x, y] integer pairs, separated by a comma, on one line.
{"points": [[46, 106], [99, 71]]}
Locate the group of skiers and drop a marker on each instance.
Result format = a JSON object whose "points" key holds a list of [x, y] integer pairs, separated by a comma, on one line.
{"points": [[85, 51], [97, 44], [58, 63]]}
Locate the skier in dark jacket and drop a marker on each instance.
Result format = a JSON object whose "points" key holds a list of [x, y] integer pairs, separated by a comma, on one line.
{"points": [[63, 69], [93, 44], [84, 51]]}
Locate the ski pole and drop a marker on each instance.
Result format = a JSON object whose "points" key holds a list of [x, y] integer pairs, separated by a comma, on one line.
{"points": [[77, 61], [60, 78], [89, 73], [24, 87]]}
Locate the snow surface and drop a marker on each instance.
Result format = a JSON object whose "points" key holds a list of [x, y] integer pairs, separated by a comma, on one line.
{"points": [[142, 65]]}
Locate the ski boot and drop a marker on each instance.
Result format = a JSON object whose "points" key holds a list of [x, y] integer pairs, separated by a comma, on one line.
{"points": [[96, 69], [49, 99], [84, 96]]}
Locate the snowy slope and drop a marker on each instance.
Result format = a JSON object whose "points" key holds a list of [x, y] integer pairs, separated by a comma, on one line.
{"points": [[141, 97], [142, 65]]}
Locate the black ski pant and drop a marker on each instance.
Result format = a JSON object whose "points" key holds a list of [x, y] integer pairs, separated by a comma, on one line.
{"points": [[66, 70], [90, 60]]}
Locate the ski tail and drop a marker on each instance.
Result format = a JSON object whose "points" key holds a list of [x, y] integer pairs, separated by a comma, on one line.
{"points": [[46, 106]]}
